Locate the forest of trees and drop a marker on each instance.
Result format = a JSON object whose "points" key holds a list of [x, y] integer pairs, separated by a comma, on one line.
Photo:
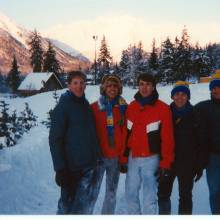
{"points": [[173, 60], [169, 62]]}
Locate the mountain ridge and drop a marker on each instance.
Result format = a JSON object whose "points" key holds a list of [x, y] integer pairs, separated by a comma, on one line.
{"points": [[14, 41]]}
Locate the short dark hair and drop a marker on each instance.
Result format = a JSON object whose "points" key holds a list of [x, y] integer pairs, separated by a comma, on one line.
{"points": [[74, 74], [147, 77]]}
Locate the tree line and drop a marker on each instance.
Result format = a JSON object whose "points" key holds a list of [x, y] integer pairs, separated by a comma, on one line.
{"points": [[171, 61]]}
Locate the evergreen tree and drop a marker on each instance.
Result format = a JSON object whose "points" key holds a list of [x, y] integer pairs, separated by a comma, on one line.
{"points": [[201, 62], [4, 88], [131, 72], [104, 60], [153, 59], [183, 63], [133, 62], [141, 58], [13, 79], [51, 64], [116, 69], [167, 63], [124, 64], [16, 126], [36, 52], [47, 122], [7, 136], [213, 52], [27, 118]]}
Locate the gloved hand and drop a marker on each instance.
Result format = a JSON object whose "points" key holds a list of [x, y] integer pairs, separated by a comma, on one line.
{"points": [[163, 174], [198, 174], [63, 178], [123, 168]]}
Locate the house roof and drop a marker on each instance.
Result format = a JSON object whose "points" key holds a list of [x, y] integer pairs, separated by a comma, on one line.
{"points": [[35, 81]]}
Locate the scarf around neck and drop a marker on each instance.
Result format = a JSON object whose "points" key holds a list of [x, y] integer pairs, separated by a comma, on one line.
{"points": [[149, 100], [179, 113], [107, 105]]}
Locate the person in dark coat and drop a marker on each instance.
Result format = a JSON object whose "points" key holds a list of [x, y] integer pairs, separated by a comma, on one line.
{"points": [[209, 139], [74, 148], [186, 165]]}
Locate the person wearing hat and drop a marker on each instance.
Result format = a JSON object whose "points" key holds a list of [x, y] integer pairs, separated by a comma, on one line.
{"points": [[149, 146], [109, 112], [186, 166], [208, 113]]}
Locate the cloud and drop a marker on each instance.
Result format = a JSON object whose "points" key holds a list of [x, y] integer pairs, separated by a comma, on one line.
{"points": [[122, 30]]}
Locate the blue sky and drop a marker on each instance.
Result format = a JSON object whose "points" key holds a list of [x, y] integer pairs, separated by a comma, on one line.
{"points": [[44, 13], [123, 22]]}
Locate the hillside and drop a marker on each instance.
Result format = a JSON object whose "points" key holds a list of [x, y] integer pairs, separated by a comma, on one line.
{"points": [[14, 40]]}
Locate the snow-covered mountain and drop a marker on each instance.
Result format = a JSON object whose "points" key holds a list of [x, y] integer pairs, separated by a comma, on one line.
{"points": [[14, 40], [68, 49]]}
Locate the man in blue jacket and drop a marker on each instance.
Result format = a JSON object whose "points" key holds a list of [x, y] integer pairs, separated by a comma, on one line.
{"points": [[187, 166], [74, 148], [208, 113]]}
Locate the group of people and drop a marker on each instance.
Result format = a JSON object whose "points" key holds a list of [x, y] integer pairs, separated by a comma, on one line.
{"points": [[150, 141]]}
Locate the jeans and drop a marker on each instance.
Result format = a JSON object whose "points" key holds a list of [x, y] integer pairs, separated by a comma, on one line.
{"points": [[111, 167], [213, 179], [141, 172], [185, 181], [78, 198]]}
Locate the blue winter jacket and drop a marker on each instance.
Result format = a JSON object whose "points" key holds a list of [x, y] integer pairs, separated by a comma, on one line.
{"points": [[72, 138]]}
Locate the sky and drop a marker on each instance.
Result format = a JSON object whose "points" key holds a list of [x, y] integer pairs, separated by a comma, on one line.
{"points": [[123, 22]]}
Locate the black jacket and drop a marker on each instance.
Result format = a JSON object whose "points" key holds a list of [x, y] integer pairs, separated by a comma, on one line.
{"points": [[186, 145], [72, 138], [208, 122]]}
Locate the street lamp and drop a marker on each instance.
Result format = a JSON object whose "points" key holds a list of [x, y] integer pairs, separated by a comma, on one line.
{"points": [[95, 38]]}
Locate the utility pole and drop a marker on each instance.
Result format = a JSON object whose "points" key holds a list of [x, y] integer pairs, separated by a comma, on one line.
{"points": [[95, 38]]}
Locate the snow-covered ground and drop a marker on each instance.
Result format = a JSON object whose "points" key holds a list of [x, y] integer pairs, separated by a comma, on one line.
{"points": [[27, 183]]}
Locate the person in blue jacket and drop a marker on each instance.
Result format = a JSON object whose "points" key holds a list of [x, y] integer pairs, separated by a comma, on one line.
{"points": [[74, 148], [187, 165]]}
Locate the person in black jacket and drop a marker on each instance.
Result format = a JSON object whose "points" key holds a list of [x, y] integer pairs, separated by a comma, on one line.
{"points": [[186, 166], [208, 113], [74, 148]]}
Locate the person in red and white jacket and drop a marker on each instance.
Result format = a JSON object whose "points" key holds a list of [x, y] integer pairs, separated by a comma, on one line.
{"points": [[109, 112], [150, 146]]}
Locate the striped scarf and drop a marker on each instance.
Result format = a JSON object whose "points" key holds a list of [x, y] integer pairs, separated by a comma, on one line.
{"points": [[107, 106]]}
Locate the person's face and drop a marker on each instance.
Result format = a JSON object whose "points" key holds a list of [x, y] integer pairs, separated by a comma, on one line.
{"points": [[77, 86], [215, 92], [145, 88], [111, 90], [180, 99]]}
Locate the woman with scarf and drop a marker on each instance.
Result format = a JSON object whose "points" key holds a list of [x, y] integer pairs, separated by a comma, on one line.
{"points": [[186, 166], [109, 112]]}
